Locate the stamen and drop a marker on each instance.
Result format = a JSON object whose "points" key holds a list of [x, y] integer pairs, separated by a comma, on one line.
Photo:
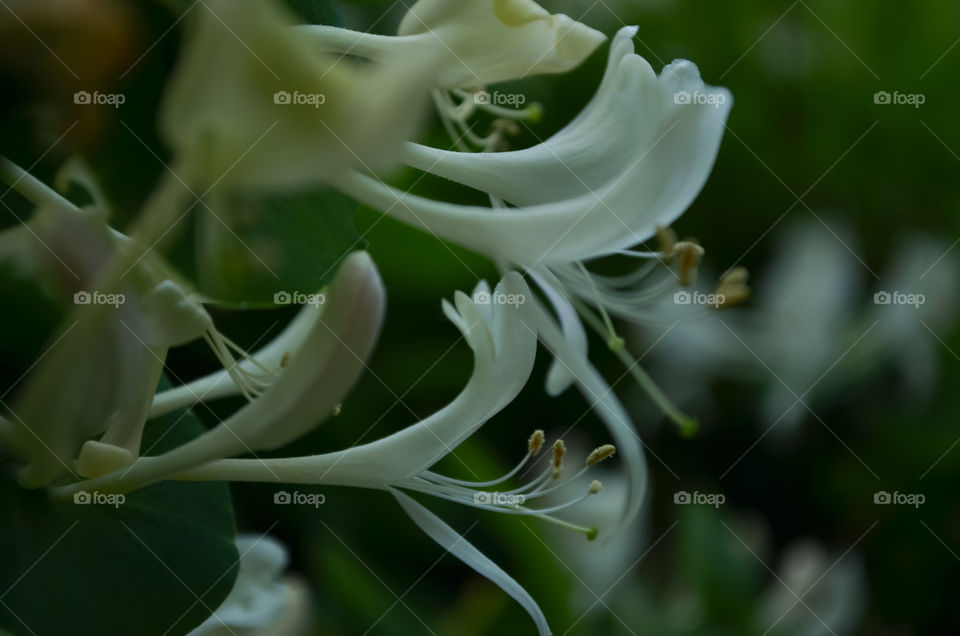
{"points": [[733, 289], [686, 425], [666, 239], [614, 341], [601, 453], [690, 254], [595, 486], [559, 450], [535, 443]]}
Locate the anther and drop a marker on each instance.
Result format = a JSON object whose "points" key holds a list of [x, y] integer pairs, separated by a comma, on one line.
{"points": [[559, 450], [733, 289], [690, 254], [535, 442], [595, 486], [601, 453], [666, 240]]}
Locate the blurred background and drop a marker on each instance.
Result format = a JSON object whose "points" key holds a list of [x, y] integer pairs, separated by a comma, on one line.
{"points": [[828, 416]]}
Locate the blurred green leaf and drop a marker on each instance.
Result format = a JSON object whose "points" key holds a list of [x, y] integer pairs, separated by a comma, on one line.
{"points": [[159, 563], [257, 247]]}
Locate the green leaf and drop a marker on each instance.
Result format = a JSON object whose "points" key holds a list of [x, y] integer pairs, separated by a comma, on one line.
{"points": [[162, 560], [254, 247]]}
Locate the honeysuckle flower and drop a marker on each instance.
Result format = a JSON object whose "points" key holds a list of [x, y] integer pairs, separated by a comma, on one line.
{"points": [[262, 602], [627, 166], [504, 347], [474, 43], [250, 106], [636, 174], [121, 331], [125, 326], [313, 380], [813, 330]]}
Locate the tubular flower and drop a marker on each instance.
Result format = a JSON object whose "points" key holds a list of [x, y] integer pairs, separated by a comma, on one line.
{"points": [[626, 167], [250, 106], [504, 348], [475, 43], [315, 378]]}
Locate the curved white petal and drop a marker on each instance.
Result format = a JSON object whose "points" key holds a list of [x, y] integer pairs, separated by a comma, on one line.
{"points": [[559, 377], [504, 347], [633, 160], [631, 114], [454, 543], [317, 378], [250, 105], [272, 357], [474, 42], [603, 400], [113, 328]]}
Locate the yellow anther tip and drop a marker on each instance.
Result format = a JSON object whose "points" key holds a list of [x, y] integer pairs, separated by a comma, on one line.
{"points": [[601, 453], [535, 443]]}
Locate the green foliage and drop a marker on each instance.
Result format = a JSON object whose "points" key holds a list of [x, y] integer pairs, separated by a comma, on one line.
{"points": [[162, 560]]}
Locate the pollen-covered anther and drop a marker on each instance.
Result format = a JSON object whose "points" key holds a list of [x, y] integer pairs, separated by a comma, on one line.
{"points": [[535, 443], [601, 453], [559, 450], [690, 254], [666, 240], [595, 486], [732, 288]]}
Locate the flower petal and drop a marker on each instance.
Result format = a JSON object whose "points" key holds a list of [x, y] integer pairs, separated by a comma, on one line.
{"points": [[635, 159], [602, 399], [474, 43], [250, 105], [317, 378], [504, 351], [219, 384], [454, 543]]}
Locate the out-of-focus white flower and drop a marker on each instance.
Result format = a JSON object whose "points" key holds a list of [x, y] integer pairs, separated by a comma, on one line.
{"points": [[813, 330], [251, 106], [311, 381], [262, 602], [831, 591], [474, 43]]}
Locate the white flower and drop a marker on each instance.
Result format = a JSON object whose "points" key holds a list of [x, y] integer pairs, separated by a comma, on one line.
{"points": [[504, 347], [313, 380], [814, 329], [474, 43], [262, 601], [248, 105], [632, 161], [629, 164]]}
